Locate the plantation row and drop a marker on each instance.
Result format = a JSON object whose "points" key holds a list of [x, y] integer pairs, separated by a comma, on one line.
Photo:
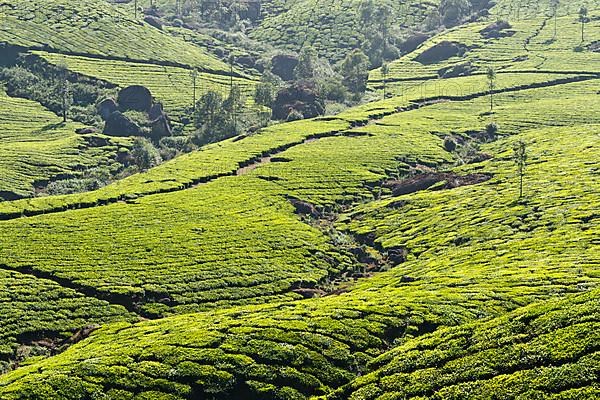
{"points": [[34, 309], [223, 243], [545, 351], [173, 86], [37, 147], [521, 49], [309, 347], [98, 29], [531, 9]]}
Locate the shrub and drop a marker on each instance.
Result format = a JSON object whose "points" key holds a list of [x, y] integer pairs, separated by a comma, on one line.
{"points": [[144, 154]]}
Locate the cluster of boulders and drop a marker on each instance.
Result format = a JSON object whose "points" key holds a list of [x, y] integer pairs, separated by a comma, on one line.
{"points": [[134, 98], [301, 98], [496, 30]]}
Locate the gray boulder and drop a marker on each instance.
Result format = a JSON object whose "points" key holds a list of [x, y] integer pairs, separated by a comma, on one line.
{"points": [[117, 124], [135, 98], [107, 107]]}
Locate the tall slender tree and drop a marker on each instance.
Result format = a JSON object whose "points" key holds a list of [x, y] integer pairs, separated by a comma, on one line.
{"points": [[194, 75], [63, 89], [491, 76], [385, 70], [520, 158], [583, 18], [554, 6]]}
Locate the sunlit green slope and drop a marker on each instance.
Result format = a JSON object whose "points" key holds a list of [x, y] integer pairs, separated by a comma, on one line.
{"points": [[35, 147], [309, 347], [95, 28], [526, 47], [545, 351], [332, 27]]}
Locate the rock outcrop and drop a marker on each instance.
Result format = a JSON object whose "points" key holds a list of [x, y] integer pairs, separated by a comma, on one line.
{"points": [[135, 98]]}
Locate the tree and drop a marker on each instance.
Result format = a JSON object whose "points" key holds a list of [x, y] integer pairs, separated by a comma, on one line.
{"points": [[194, 75], [554, 6], [63, 90], [452, 11], [583, 18], [233, 107], [307, 64], [385, 70], [355, 70], [376, 20], [264, 94], [208, 110], [145, 155], [520, 158], [491, 76]]}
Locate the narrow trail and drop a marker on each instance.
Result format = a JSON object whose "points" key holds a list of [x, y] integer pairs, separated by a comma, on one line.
{"points": [[266, 157], [535, 34]]}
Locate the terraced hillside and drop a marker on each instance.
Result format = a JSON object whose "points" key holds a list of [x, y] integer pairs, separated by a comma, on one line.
{"points": [[36, 147], [97, 40], [549, 350], [526, 47], [95, 28], [382, 253], [248, 344], [332, 27], [172, 85]]}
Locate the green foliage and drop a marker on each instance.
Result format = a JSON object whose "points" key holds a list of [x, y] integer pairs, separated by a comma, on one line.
{"points": [[453, 11], [217, 119], [355, 69], [144, 154], [334, 27], [307, 60], [545, 351]]}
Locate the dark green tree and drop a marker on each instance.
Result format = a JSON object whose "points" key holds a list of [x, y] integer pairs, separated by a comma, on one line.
{"points": [[307, 64], [264, 94], [233, 106], [208, 112], [452, 11], [63, 90], [355, 70], [145, 155]]}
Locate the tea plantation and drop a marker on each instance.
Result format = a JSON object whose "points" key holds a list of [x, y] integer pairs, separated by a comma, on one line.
{"points": [[273, 350], [97, 29], [37, 147], [384, 252], [333, 27]]}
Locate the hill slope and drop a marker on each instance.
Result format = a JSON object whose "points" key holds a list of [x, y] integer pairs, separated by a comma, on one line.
{"points": [[305, 261]]}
